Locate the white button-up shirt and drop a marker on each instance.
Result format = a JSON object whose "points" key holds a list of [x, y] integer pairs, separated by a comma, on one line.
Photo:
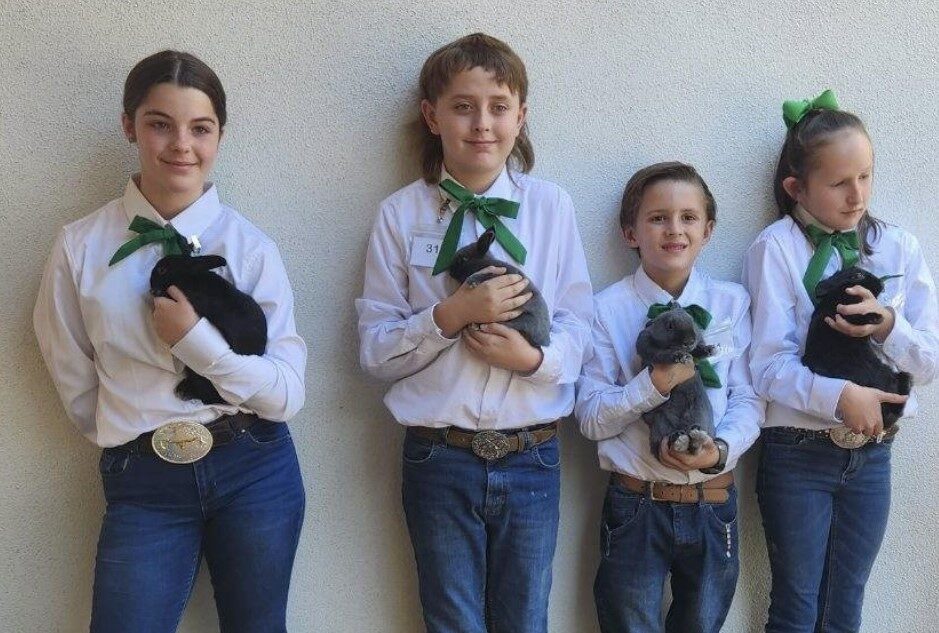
{"points": [[94, 325], [782, 309], [436, 380], [615, 390]]}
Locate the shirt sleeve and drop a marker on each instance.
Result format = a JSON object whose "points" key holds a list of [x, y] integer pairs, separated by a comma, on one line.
{"points": [[775, 349], [573, 309], [63, 341], [394, 341], [913, 343], [271, 385], [740, 425], [605, 406]]}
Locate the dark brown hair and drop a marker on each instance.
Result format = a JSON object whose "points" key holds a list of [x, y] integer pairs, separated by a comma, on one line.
{"points": [[797, 158], [648, 176], [177, 68], [467, 53]]}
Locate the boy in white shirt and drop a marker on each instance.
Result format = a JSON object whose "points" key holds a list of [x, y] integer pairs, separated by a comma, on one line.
{"points": [[671, 512]]}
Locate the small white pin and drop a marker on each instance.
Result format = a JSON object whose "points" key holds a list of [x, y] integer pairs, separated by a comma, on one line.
{"points": [[196, 245]]}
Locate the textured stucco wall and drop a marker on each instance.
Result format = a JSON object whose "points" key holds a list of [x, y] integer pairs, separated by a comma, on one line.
{"points": [[319, 96]]}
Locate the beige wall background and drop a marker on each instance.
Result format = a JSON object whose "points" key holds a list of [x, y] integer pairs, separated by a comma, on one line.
{"points": [[320, 94]]}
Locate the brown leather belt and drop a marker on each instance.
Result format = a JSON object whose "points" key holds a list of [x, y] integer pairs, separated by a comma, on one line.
{"points": [[223, 430], [710, 491], [489, 445]]}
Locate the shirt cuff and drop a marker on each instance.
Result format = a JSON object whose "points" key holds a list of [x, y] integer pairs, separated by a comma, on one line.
{"points": [[430, 336], [897, 344], [549, 371], [201, 347], [824, 396], [640, 394]]}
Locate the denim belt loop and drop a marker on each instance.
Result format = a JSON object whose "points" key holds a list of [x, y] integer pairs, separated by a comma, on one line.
{"points": [[444, 432], [700, 488], [524, 441]]}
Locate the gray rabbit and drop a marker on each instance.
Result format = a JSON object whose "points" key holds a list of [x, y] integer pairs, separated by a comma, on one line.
{"points": [[686, 417], [533, 323]]}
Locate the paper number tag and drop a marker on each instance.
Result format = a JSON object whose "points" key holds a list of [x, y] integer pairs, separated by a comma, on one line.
{"points": [[721, 336], [424, 250]]}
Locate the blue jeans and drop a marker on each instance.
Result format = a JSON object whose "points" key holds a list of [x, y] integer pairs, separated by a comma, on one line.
{"points": [[642, 541], [824, 514], [241, 506], [483, 534]]}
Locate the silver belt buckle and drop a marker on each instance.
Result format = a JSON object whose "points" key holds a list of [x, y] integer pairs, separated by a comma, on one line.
{"points": [[181, 442], [844, 437], [490, 445]]}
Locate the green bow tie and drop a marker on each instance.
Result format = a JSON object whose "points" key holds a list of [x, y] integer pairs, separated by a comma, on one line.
{"points": [[846, 243], [702, 318], [487, 211], [795, 110], [150, 231]]}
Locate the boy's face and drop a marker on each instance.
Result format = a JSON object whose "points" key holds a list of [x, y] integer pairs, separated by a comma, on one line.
{"points": [[671, 229], [478, 120]]}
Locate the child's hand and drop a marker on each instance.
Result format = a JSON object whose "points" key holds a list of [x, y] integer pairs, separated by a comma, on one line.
{"points": [[860, 408], [867, 305], [501, 346], [173, 317], [667, 375], [707, 457], [494, 300]]}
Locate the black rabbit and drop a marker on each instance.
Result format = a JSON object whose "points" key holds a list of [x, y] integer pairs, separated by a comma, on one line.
{"points": [[236, 315], [686, 418], [835, 355], [533, 323]]}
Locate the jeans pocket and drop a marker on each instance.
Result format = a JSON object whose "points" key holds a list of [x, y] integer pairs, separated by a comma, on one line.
{"points": [[264, 433], [621, 511], [548, 454], [724, 514], [722, 518], [621, 508], [418, 450], [113, 462]]}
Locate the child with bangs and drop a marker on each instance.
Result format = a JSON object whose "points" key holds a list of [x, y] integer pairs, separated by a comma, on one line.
{"points": [[668, 513], [481, 462]]}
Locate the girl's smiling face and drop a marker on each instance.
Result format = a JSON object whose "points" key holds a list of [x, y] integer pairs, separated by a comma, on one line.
{"points": [[177, 134], [478, 120], [837, 189]]}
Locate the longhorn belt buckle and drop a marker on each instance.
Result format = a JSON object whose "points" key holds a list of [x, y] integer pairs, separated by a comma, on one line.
{"points": [[846, 438], [490, 445], [181, 442]]}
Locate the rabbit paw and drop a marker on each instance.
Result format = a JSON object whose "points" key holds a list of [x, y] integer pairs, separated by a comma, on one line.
{"points": [[679, 441], [698, 439]]}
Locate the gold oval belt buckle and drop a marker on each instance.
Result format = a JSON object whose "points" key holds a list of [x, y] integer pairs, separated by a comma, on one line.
{"points": [[846, 438], [181, 442]]}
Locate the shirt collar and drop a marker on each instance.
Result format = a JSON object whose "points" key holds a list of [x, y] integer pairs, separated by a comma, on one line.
{"points": [[502, 187], [650, 292], [192, 220], [804, 218]]}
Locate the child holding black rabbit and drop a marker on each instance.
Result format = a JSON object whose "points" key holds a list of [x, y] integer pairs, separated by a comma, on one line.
{"points": [[116, 359]]}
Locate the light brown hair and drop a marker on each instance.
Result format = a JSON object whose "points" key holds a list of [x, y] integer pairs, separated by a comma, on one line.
{"points": [[466, 53]]}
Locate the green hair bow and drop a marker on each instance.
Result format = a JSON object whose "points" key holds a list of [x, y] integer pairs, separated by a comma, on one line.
{"points": [[795, 110]]}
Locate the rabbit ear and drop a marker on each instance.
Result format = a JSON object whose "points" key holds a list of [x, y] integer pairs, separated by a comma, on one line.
{"points": [[208, 262], [485, 241]]}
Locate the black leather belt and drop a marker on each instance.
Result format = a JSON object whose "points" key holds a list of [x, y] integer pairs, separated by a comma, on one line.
{"points": [[223, 430]]}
